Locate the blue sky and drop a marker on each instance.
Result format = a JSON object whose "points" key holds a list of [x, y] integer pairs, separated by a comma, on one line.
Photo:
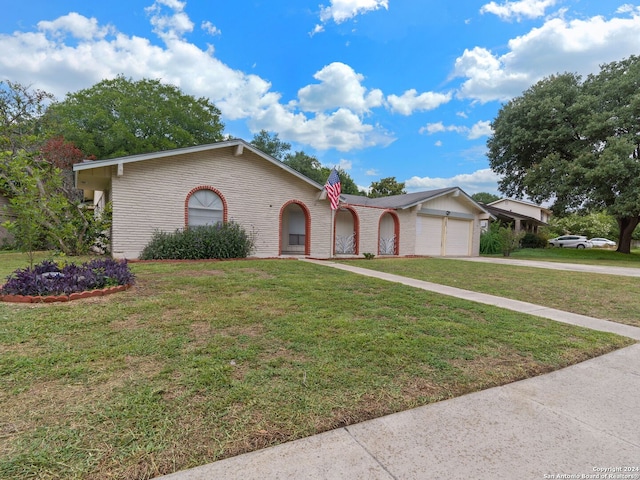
{"points": [[402, 88]]}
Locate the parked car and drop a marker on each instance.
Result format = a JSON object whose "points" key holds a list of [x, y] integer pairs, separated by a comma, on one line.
{"points": [[571, 241], [602, 242]]}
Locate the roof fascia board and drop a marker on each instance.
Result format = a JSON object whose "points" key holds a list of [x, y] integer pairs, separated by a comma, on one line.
{"points": [[238, 143], [428, 199], [523, 202], [447, 192]]}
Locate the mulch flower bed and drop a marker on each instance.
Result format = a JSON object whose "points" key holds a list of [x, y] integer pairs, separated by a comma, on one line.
{"points": [[54, 282], [63, 298]]}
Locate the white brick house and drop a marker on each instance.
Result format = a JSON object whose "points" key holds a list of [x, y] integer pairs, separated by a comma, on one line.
{"points": [[287, 213]]}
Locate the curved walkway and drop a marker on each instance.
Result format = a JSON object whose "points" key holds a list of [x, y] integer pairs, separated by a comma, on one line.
{"points": [[578, 422]]}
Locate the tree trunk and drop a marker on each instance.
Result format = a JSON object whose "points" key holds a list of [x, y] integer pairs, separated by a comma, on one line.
{"points": [[627, 226]]}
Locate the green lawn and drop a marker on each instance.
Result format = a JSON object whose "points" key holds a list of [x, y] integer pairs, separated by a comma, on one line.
{"points": [[204, 360], [595, 256], [608, 297]]}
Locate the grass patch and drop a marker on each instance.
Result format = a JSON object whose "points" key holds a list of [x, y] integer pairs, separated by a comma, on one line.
{"points": [[592, 256], [205, 360], [608, 297]]}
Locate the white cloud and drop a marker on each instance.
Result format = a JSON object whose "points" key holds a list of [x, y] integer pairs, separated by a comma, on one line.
{"points": [[484, 180], [340, 87], [210, 28], [519, 9], [345, 165], [172, 25], [372, 173], [76, 25], [439, 127], [559, 45], [480, 129], [410, 101], [438, 143], [342, 129], [317, 29], [628, 8], [342, 10], [327, 115]]}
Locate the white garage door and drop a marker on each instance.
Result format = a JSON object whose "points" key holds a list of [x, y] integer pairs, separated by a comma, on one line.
{"points": [[429, 236], [458, 236], [432, 231]]}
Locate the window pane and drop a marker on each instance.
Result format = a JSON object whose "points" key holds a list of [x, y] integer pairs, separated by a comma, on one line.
{"points": [[295, 239], [205, 208]]}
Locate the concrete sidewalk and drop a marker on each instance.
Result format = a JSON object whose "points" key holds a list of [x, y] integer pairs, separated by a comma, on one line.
{"points": [[572, 423]]}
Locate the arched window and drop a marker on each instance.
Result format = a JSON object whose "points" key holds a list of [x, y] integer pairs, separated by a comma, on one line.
{"points": [[205, 208]]}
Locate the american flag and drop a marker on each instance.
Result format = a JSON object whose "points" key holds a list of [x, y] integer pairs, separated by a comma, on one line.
{"points": [[333, 189]]}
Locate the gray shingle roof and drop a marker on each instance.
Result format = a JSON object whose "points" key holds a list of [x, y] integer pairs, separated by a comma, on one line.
{"points": [[406, 200]]}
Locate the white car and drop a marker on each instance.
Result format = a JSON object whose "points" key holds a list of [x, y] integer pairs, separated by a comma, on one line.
{"points": [[571, 241], [602, 242]]}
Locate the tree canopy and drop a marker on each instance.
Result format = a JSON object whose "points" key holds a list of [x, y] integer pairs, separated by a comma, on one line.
{"points": [[386, 187], [36, 178], [485, 197], [21, 109], [271, 144], [307, 165], [576, 143], [124, 117]]}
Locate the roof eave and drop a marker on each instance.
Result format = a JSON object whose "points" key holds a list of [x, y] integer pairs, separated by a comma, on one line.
{"points": [[88, 165]]}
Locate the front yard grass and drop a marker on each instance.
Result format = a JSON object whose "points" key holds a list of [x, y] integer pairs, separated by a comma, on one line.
{"points": [[608, 297], [205, 360], [594, 256]]}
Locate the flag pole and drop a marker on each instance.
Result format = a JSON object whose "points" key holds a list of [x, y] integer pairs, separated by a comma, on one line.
{"points": [[333, 189], [332, 243]]}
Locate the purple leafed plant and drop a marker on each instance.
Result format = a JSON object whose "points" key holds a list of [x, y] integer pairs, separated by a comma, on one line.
{"points": [[48, 278]]}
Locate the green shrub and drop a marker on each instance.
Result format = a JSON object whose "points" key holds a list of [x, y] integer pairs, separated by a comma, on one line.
{"points": [[224, 240], [533, 240], [499, 239], [490, 240], [509, 239]]}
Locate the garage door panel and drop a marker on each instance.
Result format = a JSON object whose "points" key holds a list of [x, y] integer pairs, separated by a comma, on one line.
{"points": [[457, 237], [429, 236]]}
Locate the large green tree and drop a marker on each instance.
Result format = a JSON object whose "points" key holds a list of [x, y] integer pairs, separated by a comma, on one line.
{"points": [[21, 109], [124, 117], [386, 187], [308, 165], [485, 197], [44, 215], [36, 178], [271, 144], [576, 143]]}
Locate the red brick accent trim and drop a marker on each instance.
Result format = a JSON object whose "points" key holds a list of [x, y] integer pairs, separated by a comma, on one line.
{"points": [[204, 187], [356, 228], [307, 226]]}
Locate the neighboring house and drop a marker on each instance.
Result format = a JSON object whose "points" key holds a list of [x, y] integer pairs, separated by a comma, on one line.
{"points": [[287, 213], [522, 215]]}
